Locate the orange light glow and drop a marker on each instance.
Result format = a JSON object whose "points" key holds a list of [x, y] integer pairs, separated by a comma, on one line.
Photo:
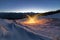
{"points": [[33, 20]]}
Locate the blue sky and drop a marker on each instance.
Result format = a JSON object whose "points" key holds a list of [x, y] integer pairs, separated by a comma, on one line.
{"points": [[29, 5]]}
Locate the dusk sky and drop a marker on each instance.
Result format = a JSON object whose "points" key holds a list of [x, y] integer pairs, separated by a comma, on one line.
{"points": [[29, 5]]}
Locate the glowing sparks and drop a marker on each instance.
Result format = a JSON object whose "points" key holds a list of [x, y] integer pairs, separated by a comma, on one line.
{"points": [[33, 20]]}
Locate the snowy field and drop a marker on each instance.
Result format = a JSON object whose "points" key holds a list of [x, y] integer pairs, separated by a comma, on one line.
{"points": [[13, 30]]}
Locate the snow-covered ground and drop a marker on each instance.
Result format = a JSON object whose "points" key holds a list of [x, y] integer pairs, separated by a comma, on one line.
{"points": [[12, 30], [50, 29]]}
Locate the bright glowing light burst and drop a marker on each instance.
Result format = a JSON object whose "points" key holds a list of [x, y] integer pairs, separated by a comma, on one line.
{"points": [[33, 20]]}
